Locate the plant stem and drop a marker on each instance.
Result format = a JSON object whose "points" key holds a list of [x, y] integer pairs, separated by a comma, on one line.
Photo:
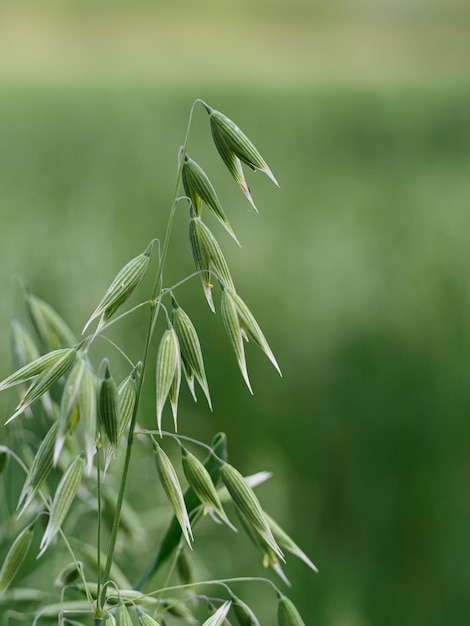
{"points": [[98, 540]]}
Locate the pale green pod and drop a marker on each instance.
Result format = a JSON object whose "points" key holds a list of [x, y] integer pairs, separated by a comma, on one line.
{"points": [[219, 616], [25, 350], [39, 470], [287, 614], [63, 498], [108, 406], [145, 619], [190, 190], [15, 557], [69, 409], [208, 257], [122, 615], [288, 544], [248, 504], [171, 486], [88, 409], [34, 368], [198, 187], [127, 393], [45, 381], [233, 164], [191, 353], [200, 481], [250, 327], [231, 321], [48, 324], [168, 369], [243, 613], [121, 287], [201, 261], [239, 143]]}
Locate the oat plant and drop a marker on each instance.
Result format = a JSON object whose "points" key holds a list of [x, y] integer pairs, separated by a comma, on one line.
{"points": [[75, 428]]}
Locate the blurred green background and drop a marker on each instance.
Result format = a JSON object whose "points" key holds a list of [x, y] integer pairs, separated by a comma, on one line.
{"points": [[356, 269]]}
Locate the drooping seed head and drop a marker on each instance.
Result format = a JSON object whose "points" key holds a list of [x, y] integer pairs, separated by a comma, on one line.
{"points": [[35, 368], [200, 481], [108, 405], [250, 327], [63, 498], [69, 407], [57, 366], [15, 557], [248, 505], [208, 257], [232, 163], [168, 372], [39, 470], [171, 486], [239, 143], [121, 287], [87, 404], [231, 321], [287, 614], [198, 187], [191, 353], [234, 147], [127, 392]]}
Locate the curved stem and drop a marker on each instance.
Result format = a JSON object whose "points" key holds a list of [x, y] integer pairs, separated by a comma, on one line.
{"points": [[98, 540]]}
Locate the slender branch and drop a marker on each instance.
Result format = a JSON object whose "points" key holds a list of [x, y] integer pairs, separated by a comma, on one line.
{"points": [[98, 540]]}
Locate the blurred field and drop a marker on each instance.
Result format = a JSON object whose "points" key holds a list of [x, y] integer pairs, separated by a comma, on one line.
{"points": [[258, 42], [357, 268]]}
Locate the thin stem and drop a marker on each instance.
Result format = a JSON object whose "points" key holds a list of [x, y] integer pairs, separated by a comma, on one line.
{"points": [[155, 306], [166, 241], [116, 347], [98, 540], [221, 581]]}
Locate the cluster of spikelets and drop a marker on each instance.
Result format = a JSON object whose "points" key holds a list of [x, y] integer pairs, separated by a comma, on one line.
{"points": [[98, 412]]}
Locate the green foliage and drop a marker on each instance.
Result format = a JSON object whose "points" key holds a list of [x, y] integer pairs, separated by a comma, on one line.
{"points": [[81, 430]]}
